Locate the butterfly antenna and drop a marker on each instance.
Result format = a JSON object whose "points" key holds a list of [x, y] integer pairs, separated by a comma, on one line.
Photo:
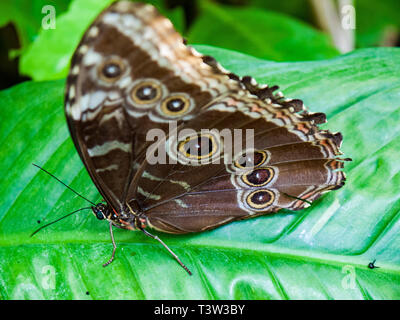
{"points": [[46, 225], [169, 250], [304, 200], [51, 175]]}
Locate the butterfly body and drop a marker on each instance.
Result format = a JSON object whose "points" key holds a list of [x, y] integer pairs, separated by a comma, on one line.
{"points": [[132, 77]]}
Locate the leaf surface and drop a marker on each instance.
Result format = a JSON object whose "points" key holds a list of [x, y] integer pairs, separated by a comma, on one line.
{"points": [[261, 33]]}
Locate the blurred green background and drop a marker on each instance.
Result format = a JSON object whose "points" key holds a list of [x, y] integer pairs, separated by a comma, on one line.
{"points": [[321, 252], [295, 30]]}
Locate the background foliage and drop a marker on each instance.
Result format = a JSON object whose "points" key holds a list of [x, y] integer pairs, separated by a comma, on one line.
{"points": [[318, 253]]}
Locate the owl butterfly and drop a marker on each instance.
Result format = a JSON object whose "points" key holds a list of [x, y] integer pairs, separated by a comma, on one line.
{"points": [[132, 73]]}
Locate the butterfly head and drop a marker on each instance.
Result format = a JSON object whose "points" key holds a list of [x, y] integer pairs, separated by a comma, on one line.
{"points": [[123, 220], [101, 211], [105, 212]]}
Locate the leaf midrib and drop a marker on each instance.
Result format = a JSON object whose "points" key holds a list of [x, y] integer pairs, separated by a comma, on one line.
{"points": [[311, 256]]}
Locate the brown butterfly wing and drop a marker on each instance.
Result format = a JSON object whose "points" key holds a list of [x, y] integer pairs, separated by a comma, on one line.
{"points": [[128, 71], [132, 73], [294, 163]]}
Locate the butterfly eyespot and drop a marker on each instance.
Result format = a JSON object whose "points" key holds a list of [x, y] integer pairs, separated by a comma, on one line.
{"points": [[111, 70], [175, 105], [260, 199], [251, 159], [201, 146], [146, 92], [259, 177]]}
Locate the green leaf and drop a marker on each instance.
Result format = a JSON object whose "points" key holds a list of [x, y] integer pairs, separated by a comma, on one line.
{"points": [[48, 58], [265, 34], [318, 253], [300, 9]]}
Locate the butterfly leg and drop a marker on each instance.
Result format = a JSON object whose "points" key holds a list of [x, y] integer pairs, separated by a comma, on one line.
{"points": [[114, 247], [166, 247]]}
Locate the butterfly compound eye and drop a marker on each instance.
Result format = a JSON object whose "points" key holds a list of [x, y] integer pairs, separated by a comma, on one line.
{"points": [[99, 211], [99, 215]]}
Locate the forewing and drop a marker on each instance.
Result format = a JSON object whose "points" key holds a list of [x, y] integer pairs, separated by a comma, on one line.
{"points": [[129, 66]]}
